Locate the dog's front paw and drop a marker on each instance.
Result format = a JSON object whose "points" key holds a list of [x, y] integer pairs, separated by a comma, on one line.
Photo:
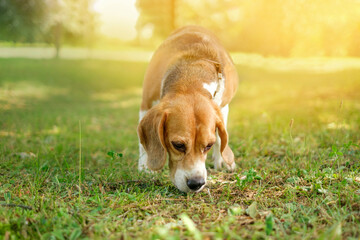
{"points": [[219, 162], [229, 158], [231, 167]]}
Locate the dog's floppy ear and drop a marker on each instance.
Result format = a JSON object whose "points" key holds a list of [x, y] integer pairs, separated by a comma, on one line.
{"points": [[151, 131], [225, 150]]}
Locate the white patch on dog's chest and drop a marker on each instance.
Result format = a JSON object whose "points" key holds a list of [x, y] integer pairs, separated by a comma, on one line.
{"points": [[211, 88], [216, 89]]}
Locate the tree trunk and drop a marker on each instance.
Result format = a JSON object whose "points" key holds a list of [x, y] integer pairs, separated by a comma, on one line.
{"points": [[58, 37]]}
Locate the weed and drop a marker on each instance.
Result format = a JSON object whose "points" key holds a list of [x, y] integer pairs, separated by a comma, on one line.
{"points": [[249, 177]]}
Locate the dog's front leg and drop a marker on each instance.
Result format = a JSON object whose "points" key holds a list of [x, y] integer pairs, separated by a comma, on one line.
{"points": [[142, 158], [217, 157], [142, 153]]}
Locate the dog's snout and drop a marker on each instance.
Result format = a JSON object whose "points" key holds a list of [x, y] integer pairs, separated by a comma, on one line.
{"points": [[195, 183]]}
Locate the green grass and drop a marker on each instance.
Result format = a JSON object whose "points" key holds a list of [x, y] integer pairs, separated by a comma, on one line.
{"points": [[297, 181]]}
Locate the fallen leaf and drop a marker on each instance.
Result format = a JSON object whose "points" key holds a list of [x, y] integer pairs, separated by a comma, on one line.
{"points": [[235, 211], [245, 220], [357, 179], [24, 155], [252, 210]]}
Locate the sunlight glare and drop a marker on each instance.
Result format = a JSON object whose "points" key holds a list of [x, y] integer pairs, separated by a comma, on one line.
{"points": [[117, 18]]}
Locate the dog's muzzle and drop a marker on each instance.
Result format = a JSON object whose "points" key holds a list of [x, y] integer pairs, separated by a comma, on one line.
{"points": [[195, 183]]}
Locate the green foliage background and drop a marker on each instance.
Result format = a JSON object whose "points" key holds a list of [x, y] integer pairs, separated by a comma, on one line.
{"points": [[38, 21], [287, 28]]}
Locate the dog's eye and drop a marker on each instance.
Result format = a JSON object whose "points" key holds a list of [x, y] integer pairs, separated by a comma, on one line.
{"points": [[179, 146], [208, 147]]}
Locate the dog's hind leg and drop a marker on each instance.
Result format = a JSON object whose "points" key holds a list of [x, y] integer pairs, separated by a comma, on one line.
{"points": [[142, 153]]}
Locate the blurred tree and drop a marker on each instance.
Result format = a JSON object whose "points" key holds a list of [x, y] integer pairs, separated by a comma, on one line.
{"points": [[52, 21], [69, 21], [269, 27], [20, 20], [157, 19]]}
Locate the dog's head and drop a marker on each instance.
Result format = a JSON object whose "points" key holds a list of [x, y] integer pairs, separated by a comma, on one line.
{"points": [[185, 128]]}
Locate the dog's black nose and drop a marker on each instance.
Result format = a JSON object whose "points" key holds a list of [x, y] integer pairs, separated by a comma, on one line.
{"points": [[195, 183]]}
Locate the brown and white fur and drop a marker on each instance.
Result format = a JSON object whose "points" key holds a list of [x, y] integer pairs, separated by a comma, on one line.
{"points": [[184, 108]]}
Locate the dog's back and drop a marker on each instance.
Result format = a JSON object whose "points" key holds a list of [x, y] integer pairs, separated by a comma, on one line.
{"points": [[191, 42]]}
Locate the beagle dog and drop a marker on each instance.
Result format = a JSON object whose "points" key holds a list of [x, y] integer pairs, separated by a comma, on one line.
{"points": [[188, 85]]}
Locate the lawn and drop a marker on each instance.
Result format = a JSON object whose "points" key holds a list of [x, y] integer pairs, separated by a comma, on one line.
{"points": [[68, 157]]}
